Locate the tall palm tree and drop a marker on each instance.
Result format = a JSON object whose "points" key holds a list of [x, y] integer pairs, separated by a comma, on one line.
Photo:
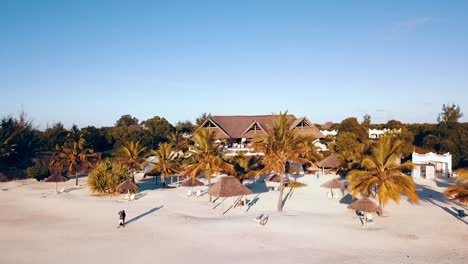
{"points": [[207, 158], [459, 192], [165, 162], [178, 142], [383, 174], [281, 146], [74, 155], [131, 154]]}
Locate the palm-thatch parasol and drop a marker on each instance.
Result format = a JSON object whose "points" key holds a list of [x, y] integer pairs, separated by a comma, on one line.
{"points": [[56, 177], [128, 186], [228, 186], [329, 162], [192, 183], [365, 205], [313, 168], [333, 184]]}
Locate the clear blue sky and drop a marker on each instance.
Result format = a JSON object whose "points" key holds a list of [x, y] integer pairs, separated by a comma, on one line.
{"points": [[89, 62]]}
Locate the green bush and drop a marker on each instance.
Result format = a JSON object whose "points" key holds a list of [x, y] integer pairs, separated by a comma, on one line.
{"points": [[37, 172], [107, 175]]}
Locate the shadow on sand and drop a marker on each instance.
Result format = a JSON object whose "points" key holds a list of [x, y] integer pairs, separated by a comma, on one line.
{"points": [[136, 218], [348, 199], [258, 187], [429, 195], [149, 184]]}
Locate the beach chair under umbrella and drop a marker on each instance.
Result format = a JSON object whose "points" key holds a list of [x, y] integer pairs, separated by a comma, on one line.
{"points": [[274, 181], [228, 186], [333, 184], [191, 182], [57, 177], [367, 206]]}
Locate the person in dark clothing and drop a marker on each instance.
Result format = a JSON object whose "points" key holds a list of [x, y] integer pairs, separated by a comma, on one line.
{"points": [[122, 218]]}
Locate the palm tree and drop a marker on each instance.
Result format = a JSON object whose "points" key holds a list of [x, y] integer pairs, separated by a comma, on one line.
{"points": [[131, 154], [74, 155], [383, 174], [207, 158], [281, 146], [310, 151], [459, 192], [165, 162], [245, 167], [178, 142]]}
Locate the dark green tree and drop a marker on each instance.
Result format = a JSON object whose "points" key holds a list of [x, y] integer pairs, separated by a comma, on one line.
{"points": [[450, 114]]}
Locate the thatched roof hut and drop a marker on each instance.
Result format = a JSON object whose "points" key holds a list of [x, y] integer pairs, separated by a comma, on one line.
{"points": [[128, 186], [329, 162], [333, 184], [228, 186], [365, 205], [190, 182]]}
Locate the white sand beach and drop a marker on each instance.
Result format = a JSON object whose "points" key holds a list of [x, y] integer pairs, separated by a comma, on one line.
{"points": [[164, 225]]}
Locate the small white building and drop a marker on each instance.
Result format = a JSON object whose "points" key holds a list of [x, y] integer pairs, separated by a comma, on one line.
{"points": [[377, 133], [332, 133], [431, 165]]}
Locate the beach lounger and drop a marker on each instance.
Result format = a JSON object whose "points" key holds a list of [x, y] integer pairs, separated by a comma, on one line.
{"points": [[461, 213], [132, 197], [369, 218], [190, 193]]}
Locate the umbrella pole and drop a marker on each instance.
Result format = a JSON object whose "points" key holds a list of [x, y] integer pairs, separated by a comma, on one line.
{"points": [[56, 190]]}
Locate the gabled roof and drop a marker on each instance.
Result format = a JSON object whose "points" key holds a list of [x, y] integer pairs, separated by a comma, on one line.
{"points": [[239, 126], [249, 133]]}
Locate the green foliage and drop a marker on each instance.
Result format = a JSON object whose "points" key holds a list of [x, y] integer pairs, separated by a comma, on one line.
{"points": [[158, 129], [206, 156], [107, 175], [18, 141], [348, 146], [393, 124], [352, 125], [366, 120], [53, 136], [185, 127], [37, 173], [166, 161], [204, 116], [450, 114], [126, 120], [381, 172]]}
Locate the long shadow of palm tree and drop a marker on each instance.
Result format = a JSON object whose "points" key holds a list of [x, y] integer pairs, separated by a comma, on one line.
{"points": [[434, 197], [136, 218]]}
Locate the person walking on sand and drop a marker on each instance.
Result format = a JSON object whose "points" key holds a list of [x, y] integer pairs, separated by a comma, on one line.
{"points": [[122, 218]]}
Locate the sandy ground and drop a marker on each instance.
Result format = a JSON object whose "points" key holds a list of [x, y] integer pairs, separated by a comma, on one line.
{"points": [[164, 225]]}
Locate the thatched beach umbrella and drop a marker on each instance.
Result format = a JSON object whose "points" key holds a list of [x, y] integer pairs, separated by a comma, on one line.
{"points": [[228, 186], [192, 183], [329, 162], [313, 168], [365, 205], [57, 177], [128, 186], [333, 184]]}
